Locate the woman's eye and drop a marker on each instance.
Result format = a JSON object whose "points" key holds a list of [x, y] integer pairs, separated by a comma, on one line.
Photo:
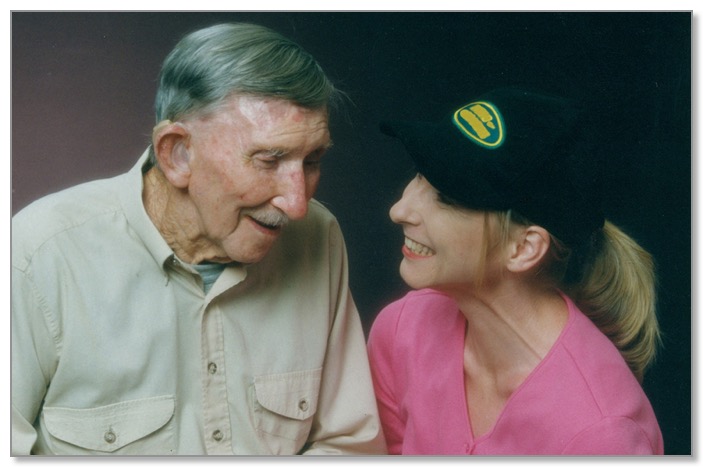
{"points": [[444, 199]]}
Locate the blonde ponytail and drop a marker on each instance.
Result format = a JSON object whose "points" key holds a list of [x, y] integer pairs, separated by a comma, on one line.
{"points": [[617, 292]]}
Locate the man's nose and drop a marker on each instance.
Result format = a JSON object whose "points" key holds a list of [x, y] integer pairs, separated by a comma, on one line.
{"points": [[294, 194]]}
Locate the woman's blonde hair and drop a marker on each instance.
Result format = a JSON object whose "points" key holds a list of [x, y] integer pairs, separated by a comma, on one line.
{"points": [[612, 280]]}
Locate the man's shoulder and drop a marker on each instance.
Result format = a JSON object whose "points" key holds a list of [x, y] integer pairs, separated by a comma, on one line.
{"points": [[69, 204], [62, 211], [317, 224], [318, 212]]}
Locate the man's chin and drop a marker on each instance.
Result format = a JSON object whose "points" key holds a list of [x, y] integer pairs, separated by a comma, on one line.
{"points": [[248, 259], [247, 250]]}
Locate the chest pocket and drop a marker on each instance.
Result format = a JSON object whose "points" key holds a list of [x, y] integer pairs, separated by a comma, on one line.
{"points": [[130, 427], [284, 407]]}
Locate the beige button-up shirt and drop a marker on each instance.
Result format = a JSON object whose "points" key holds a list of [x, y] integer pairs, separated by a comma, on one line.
{"points": [[116, 349]]}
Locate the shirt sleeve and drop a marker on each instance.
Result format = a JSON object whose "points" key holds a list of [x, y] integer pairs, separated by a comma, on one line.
{"points": [[34, 357], [346, 421], [612, 436], [384, 374]]}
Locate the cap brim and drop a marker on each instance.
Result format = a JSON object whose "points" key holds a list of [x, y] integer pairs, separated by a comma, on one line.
{"points": [[444, 158]]}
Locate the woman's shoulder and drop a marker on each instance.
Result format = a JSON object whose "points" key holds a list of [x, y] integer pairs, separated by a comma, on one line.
{"points": [[598, 364], [419, 302], [414, 332], [587, 344], [417, 311]]}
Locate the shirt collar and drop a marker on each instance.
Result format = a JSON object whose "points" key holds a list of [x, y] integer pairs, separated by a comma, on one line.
{"points": [[133, 206]]}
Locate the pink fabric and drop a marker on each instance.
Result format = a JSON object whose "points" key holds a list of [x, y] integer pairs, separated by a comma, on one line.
{"points": [[581, 399]]}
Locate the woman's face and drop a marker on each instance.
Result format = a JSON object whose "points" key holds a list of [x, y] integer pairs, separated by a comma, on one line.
{"points": [[443, 244]]}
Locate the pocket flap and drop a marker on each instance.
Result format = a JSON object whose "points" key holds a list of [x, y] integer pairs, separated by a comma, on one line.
{"points": [[110, 427], [293, 395]]}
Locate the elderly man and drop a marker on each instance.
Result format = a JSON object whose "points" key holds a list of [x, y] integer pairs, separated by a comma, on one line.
{"points": [[197, 304]]}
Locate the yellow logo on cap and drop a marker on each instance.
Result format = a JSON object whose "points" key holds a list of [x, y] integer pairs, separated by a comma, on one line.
{"points": [[482, 123]]}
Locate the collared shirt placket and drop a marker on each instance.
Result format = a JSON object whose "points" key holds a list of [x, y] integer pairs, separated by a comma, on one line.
{"points": [[217, 428], [216, 419]]}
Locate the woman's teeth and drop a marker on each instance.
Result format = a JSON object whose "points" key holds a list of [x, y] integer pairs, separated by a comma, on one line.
{"points": [[418, 248]]}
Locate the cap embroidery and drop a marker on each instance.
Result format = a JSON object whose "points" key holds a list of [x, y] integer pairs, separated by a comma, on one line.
{"points": [[481, 123]]}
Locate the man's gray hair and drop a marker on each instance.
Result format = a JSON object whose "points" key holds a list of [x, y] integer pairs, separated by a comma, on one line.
{"points": [[211, 64]]}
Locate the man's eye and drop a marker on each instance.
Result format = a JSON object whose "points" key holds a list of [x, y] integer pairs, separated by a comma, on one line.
{"points": [[267, 161]]}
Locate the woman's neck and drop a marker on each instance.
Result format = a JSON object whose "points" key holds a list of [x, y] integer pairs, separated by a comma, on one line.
{"points": [[512, 329], [508, 333]]}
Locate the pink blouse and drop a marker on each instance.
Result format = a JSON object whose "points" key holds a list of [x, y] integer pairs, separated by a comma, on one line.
{"points": [[581, 399]]}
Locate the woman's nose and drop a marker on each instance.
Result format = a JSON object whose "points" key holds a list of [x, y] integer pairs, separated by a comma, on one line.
{"points": [[402, 211]]}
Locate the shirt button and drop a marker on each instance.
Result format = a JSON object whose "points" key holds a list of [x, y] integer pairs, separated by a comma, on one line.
{"points": [[303, 405], [110, 437], [212, 368], [217, 435]]}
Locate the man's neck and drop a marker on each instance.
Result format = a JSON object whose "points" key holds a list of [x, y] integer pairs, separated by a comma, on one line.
{"points": [[173, 214]]}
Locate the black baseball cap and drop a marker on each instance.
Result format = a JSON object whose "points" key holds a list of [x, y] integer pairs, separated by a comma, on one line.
{"points": [[513, 149]]}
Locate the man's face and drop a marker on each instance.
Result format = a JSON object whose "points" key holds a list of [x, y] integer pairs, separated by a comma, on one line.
{"points": [[254, 163]]}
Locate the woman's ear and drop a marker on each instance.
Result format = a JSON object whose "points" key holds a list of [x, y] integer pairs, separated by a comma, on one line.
{"points": [[528, 248], [171, 141]]}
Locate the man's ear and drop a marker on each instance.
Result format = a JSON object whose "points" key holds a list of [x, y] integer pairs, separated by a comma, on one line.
{"points": [[528, 248], [171, 142]]}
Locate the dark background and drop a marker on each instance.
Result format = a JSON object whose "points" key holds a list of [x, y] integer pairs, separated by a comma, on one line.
{"points": [[83, 87]]}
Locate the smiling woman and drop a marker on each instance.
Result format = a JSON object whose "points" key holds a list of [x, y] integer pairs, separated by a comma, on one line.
{"points": [[513, 318]]}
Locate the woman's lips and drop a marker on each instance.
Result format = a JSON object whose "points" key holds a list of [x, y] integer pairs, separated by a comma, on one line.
{"points": [[416, 249]]}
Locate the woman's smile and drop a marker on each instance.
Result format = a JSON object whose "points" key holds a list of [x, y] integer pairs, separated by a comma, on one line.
{"points": [[414, 248]]}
